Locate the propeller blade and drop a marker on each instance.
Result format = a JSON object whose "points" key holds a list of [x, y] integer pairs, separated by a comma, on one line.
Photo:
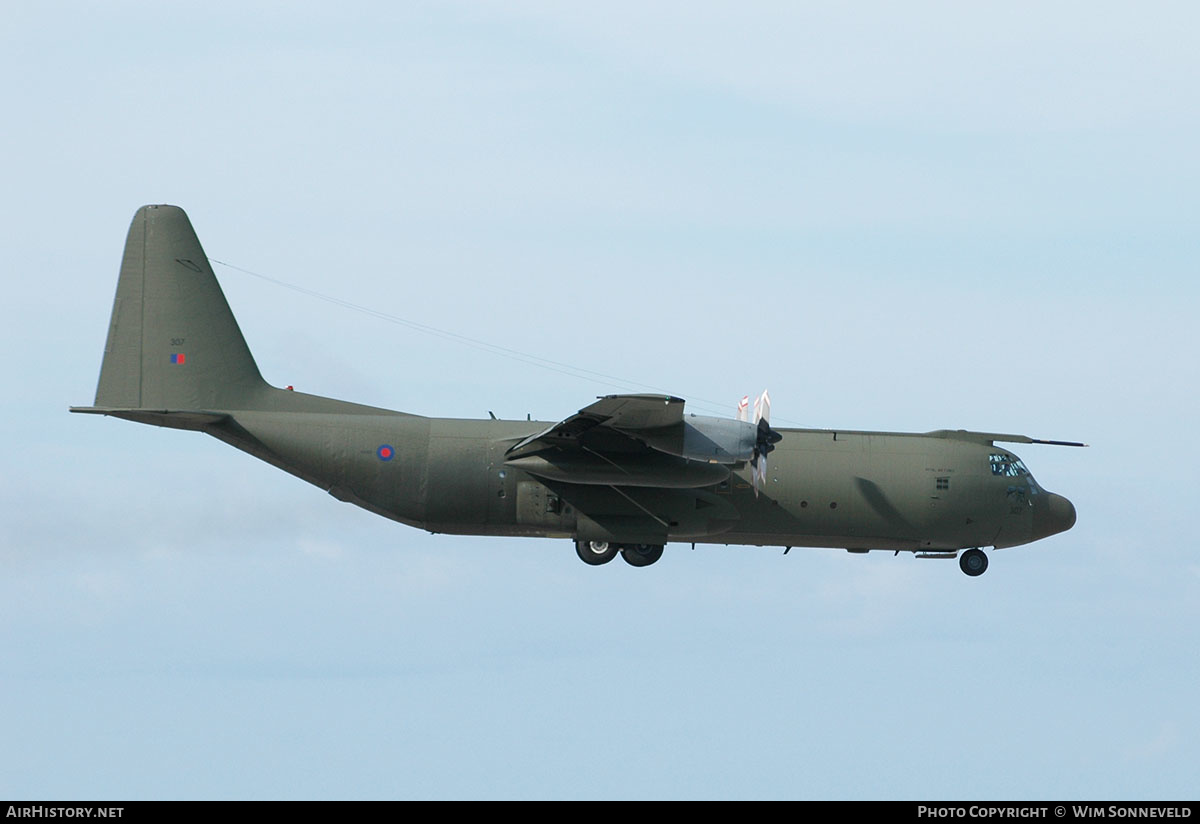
{"points": [[762, 408], [765, 440]]}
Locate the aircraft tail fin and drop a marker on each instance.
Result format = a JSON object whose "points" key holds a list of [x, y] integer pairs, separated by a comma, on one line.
{"points": [[173, 342]]}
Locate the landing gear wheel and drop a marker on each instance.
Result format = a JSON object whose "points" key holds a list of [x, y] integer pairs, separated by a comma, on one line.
{"points": [[641, 555], [595, 552], [973, 562]]}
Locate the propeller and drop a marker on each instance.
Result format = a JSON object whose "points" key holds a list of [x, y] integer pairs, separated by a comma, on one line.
{"points": [[765, 436]]}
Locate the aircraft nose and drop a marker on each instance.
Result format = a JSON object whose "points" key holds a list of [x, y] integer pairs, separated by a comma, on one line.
{"points": [[1054, 514]]}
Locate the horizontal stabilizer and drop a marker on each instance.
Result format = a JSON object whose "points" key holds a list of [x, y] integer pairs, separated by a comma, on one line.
{"points": [[172, 418]]}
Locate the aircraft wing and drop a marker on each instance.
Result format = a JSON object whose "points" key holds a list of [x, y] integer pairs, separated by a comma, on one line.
{"points": [[643, 441], [992, 437], [620, 414]]}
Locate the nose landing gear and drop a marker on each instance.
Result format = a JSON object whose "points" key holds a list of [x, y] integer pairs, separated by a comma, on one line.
{"points": [[973, 562]]}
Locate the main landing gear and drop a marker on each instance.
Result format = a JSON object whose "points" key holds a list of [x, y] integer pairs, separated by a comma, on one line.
{"points": [[601, 552], [973, 562]]}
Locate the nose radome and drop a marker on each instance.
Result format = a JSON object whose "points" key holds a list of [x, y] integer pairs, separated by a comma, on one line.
{"points": [[1052, 515]]}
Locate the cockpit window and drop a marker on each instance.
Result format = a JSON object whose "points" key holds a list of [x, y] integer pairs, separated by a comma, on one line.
{"points": [[1007, 466]]}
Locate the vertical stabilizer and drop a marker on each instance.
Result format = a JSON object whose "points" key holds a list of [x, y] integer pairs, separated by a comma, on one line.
{"points": [[173, 342]]}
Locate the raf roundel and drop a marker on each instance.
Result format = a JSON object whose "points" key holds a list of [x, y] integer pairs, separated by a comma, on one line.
{"points": [[385, 452]]}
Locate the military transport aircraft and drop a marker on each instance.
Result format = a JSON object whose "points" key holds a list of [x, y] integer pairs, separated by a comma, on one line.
{"points": [[626, 474]]}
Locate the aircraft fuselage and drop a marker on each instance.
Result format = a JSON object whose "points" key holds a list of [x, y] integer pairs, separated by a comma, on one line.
{"points": [[848, 489]]}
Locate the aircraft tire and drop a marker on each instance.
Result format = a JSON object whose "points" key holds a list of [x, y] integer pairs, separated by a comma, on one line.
{"points": [[973, 562], [595, 553], [641, 555]]}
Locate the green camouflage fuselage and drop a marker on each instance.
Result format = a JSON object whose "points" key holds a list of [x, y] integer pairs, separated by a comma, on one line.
{"points": [[628, 469]]}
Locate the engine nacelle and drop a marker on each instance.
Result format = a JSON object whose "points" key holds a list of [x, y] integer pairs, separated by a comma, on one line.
{"points": [[701, 438]]}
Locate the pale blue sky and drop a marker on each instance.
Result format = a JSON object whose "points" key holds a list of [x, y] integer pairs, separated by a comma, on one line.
{"points": [[937, 215]]}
